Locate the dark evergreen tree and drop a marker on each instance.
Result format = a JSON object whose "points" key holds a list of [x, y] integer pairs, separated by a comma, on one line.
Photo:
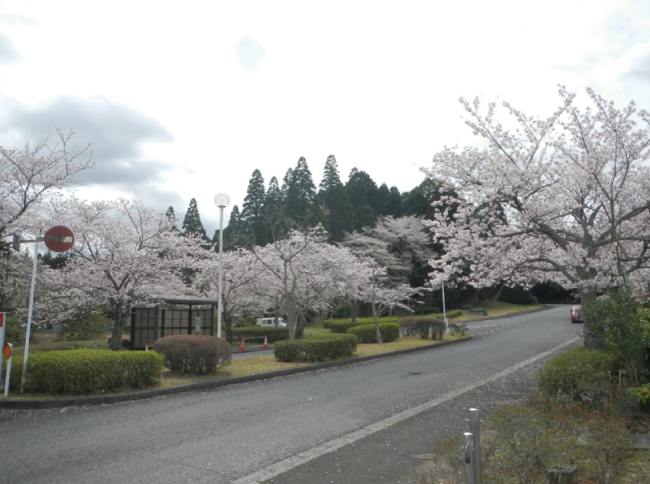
{"points": [[286, 182], [192, 222], [300, 203], [364, 198], [418, 201], [171, 216], [252, 215], [333, 202], [273, 203], [394, 204], [233, 234], [383, 193]]}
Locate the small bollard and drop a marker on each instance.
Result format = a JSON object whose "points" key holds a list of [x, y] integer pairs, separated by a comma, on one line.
{"points": [[469, 457], [561, 474]]}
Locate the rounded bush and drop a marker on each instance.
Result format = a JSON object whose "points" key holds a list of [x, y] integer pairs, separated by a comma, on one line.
{"points": [[367, 333], [318, 348], [579, 374], [193, 353]]}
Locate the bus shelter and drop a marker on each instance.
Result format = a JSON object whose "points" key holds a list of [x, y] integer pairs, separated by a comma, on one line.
{"points": [[172, 316]]}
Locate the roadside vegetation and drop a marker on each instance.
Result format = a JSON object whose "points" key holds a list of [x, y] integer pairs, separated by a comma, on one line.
{"points": [[588, 404], [64, 341]]}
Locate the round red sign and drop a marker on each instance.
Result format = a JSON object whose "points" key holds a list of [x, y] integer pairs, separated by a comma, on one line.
{"points": [[59, 238]]}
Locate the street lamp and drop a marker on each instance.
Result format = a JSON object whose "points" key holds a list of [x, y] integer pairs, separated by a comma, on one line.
{"points": [[221, 200]]}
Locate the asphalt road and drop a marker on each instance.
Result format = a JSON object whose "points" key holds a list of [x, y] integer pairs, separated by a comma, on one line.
{"points": [[340, 425]]}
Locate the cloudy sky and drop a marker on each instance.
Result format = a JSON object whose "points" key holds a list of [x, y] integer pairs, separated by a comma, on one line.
{"points": [[186, 99]]}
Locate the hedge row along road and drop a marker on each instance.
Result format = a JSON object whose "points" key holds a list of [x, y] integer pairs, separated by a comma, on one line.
{"points": [[252, 432]]}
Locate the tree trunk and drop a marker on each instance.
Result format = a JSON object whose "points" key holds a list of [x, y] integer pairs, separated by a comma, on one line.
{"points": [[115, 341]]}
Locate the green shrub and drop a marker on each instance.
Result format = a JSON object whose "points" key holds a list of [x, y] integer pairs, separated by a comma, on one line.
{"points": [[193, 353], [14, 333], [367, 333], [430, 326], [272, 334], [581, 374], [467, 307], [343, 325], [455, 313], [458, 329], [90, 371], [86, 327], [318, 348], [407, 326]]}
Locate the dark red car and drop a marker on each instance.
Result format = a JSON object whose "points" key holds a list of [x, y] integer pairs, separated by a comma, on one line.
{"points": [[576, 313]]}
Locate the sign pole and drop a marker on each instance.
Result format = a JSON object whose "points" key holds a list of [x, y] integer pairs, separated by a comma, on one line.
{"points": [[6, 353], [29, 315], [2, 341]]}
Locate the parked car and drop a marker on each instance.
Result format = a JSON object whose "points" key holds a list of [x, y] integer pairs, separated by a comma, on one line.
{"points": [[281, 323], [576, 313]]}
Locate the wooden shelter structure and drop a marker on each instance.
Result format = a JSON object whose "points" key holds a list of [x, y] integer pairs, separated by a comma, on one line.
{"points": [[172, 316]]}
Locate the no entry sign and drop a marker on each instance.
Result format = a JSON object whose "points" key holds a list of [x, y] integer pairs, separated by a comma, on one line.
{"points": [[59, 238]]}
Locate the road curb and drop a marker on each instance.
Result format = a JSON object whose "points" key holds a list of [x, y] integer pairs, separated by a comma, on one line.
{"points": [[40, 403]]}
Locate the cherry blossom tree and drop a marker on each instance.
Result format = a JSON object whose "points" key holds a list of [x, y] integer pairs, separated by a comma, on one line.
{"points": [[28, 175], [402, 245], [564, 198], [304, 273], [27, 178], [242, 272], [382, 294], [125, 254]]}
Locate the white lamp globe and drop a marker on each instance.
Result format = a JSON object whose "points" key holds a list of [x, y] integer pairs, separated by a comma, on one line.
{"points": [[221, 200]]}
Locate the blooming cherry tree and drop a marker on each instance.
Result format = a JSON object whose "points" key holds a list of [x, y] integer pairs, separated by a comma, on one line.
{"points": [[124, 254], [381, 294], [242, 273], [566, 198], [28, 175], [303, 272]]}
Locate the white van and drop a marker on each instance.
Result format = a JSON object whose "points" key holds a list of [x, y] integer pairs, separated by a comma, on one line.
{"points": [[271, 322]]}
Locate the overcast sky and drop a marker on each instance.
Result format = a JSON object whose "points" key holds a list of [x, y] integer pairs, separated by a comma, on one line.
{"points": [[186, 99]]}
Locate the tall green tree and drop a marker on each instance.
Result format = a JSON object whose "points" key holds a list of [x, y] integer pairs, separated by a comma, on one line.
{"points": [[233, 234], [252, 215], [300, 203], [273, 206], [394, 203], [333, 202], [192, 222], [364, 198]]}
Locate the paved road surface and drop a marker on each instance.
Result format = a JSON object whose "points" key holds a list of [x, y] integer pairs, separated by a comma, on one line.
{"points": [[284, 427]]}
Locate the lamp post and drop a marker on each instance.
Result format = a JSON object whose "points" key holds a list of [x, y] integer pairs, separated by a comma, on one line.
{"points": [[221, 200]]}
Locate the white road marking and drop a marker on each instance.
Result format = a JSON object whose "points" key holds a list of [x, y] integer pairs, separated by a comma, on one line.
{"points": [[286, 465]]}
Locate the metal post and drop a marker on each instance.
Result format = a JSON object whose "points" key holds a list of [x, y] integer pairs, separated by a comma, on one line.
{"points": [[3, 323], [444, 309], [29, 315], [220, 289], [469, 457], [7, 381], [475, 429]]}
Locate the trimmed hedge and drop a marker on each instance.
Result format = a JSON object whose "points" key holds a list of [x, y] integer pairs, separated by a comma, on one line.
{"points": [[580, 374], [273, 334], [91, 371], [367, 333], [318, 348], [430, 326], [193, 353]]}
